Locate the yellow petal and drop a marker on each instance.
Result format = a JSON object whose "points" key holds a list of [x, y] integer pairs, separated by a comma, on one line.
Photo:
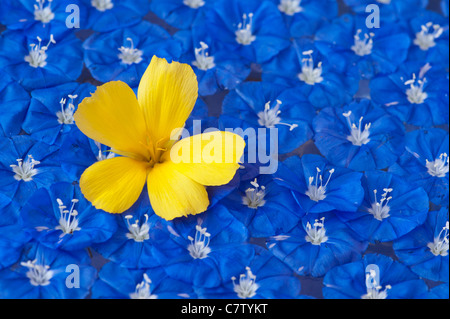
{"points": [[115, 184], [167, 94], [112, 117], [209, 159], [173, 194]]}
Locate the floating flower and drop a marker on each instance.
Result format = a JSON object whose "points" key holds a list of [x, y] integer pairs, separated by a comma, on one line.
{"points": [[373, 277], [144, 133], [359, 136], [391, 208], [319, 187], [316, 245]]}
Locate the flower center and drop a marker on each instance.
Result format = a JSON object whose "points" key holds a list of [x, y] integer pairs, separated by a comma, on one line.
{"points": [[68, 222], [269, 117], [380, 210], [65, 116], [139, 233], [101, 156], [194, 4], [363, 45], [37, 57], [39, 275], [42, 14], [102, 5], [440, 245], [310, 75], [415, 94], [290, 7], [315, 191], [357, 136], [316, 234], [130, 55], [199, 247], [374, 290], [244, 34], [203, 61], [143, 289], [429, 32], [247, 286], [254, 197], [25, 169], [438, 167]]}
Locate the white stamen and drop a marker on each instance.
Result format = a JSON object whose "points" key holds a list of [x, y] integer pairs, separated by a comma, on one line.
{"points": [[438, 167], [102, 5], [380, 210], [25, 169], [290, 7], [317, 192], [384, 1], [139, 233], [130, 55], [310, 75], [254, 197], [316, 234], [194, 4], [202, 59], [374, 290], [425, 39], [101, 155], [440, 245], [143, 289], [357, 136], [68, 222], [363, 45], [37, 57], [39, 275], [42, 14], [65, 116], [415, 94], [247, 286], [244, 34], [269, 117], [198, 248]]}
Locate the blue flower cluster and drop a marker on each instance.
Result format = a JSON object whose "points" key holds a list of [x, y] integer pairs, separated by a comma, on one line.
{"points": [[361, 111]]}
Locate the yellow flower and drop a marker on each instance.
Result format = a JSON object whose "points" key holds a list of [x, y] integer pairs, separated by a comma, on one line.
{"points": [[140, 131]]}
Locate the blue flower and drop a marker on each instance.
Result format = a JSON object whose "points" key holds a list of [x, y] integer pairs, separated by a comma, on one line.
{"points": [[316, 245], [116, 282], [44, 273], [430, 33], [251, 28], [303, 66], [266, 105], [41, 60], [14, 101], [203, 250], [370, 51], [304, 17], [390, 10], [266, 208], [426, 163], [181, 13], [61, 218], [373, 277], [319, 187], [25, 166], [417, 94], [444, 7], [216, 69], [392, 207], [438, 292], [124, 54], [359, 136], [50, 115], [108, 15], [425, 249], [264, 277]]}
